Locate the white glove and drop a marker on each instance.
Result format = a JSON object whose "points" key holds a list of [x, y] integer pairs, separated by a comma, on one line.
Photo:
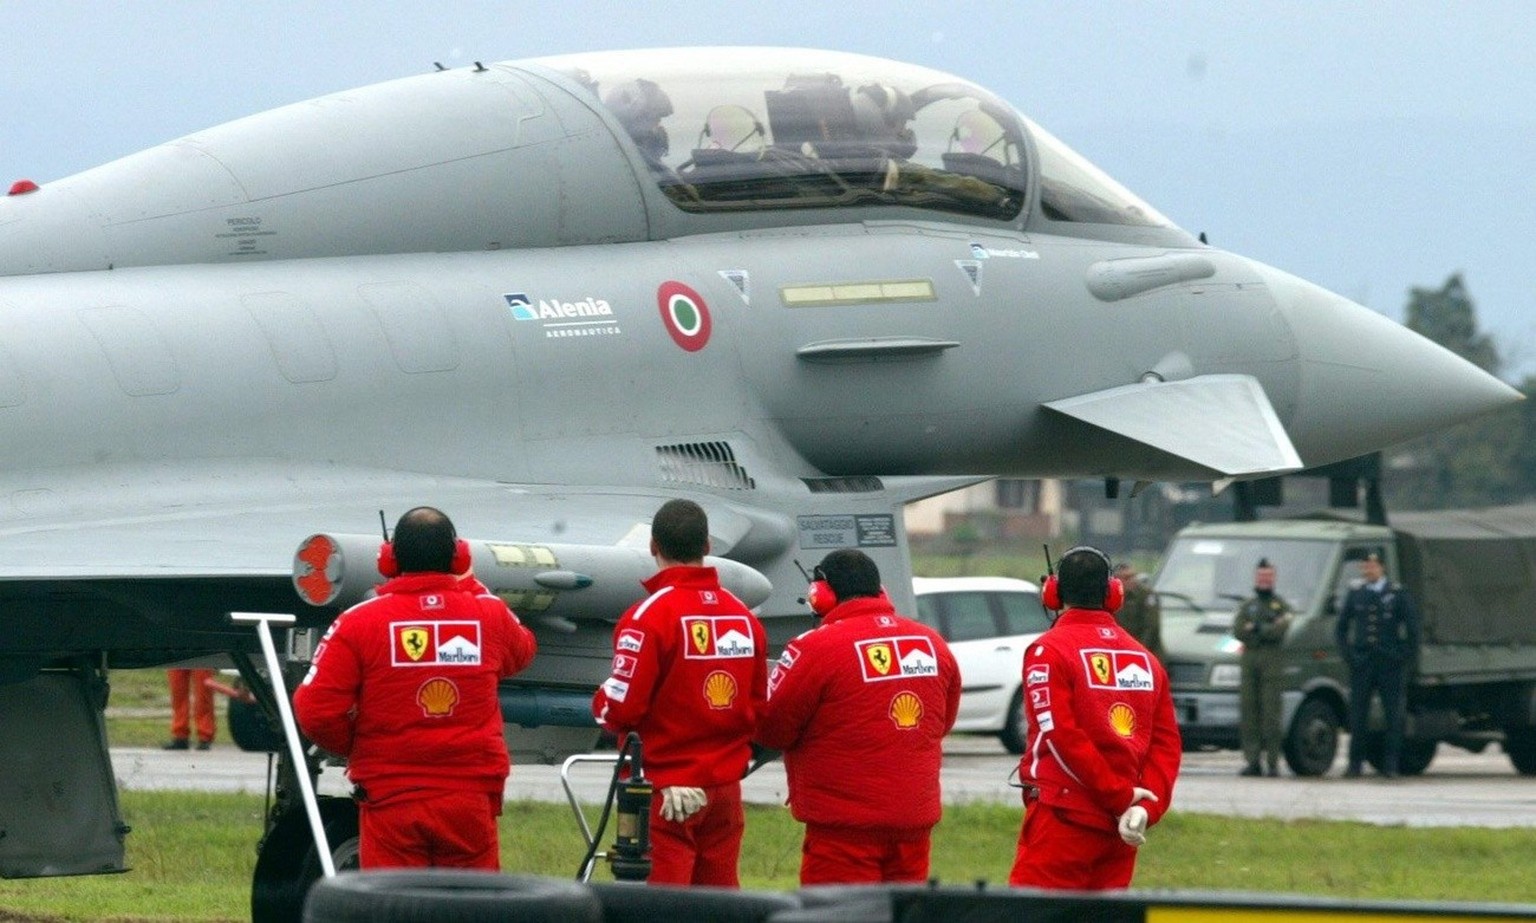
{"points": [[1133, 823], [678, 802]]}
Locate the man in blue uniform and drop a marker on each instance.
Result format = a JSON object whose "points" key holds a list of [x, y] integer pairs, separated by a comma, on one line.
{"points": [[1377, 633]]}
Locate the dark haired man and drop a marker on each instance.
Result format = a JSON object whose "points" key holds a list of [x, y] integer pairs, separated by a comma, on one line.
{"points": [[404, 686], [1103, 747], [860, 706], [1378, 635], [689, 676]]}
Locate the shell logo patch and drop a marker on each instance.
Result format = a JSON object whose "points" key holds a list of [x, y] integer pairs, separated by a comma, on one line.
{"points": [[434, 644], [906, 710], [1122, 719], [1113, 669], [685, 315], [900, 657], [717, 637], [720, 689], [437, 697]]}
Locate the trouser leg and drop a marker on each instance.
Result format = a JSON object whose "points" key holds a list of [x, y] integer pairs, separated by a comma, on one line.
{"points": [[202, 705], [1390, 678], [1271, 727], [179, 681], [1361, 682], [1248, 713]]}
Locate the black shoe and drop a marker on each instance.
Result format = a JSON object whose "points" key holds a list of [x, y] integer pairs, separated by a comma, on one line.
{"points": [[1252, 769], [175, 743], [1389, 774], [1352, 772], [1274, 772], [204, 744]]}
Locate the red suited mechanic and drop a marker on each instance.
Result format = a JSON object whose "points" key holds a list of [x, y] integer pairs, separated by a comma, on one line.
{"points": [[689, 675], [404, 686], [1103, 747], [860, 706]]}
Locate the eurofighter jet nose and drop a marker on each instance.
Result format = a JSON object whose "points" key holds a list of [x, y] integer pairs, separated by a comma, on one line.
{"points": [[1366, 381]]}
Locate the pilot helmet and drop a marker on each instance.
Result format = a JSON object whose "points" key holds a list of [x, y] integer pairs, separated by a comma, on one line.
{"points": [[640, 105]]}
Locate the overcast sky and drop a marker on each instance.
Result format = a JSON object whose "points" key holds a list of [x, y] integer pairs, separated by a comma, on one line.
{"points": [[1368, 147]]}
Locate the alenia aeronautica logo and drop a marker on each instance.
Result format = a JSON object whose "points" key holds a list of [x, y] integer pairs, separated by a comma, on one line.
{"points": [[588, 317]]}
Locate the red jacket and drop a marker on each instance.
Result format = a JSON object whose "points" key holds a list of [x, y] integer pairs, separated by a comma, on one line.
{"points": [[860, 706], [1101, 720], [404, 686], [689, 674]]}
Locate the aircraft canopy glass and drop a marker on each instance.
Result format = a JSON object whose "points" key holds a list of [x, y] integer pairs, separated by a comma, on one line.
{"points": [[754, 128], [1073, 189]]}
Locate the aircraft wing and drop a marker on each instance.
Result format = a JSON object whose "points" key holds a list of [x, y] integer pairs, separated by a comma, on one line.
{"points": [[1223, 422], [148, 562]]}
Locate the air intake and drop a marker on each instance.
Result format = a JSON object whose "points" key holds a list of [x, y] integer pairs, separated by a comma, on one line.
{"points": [[853, 485], [706, 464]]}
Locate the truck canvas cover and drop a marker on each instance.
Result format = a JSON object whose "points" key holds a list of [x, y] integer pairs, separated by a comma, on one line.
{"points": [[1475, 573]]}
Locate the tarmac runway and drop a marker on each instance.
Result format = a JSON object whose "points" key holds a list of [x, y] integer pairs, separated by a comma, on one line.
{"points": [[1459, 788]]}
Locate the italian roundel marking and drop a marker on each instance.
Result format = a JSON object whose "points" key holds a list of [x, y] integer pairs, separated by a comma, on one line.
{"points": [[684, 314]]}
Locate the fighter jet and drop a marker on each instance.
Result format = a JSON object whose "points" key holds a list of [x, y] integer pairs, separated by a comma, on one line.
{"points": [[803, 288]]}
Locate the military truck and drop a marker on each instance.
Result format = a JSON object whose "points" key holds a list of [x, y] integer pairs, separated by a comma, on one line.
{"points": [[1472, 574]]}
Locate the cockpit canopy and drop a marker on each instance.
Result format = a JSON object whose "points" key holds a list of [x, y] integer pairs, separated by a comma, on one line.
{"points": [[731, 129]]}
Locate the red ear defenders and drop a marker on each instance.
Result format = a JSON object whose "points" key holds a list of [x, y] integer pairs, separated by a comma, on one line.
{"points": [[1114, 593], [390, 567], [819, 595]]}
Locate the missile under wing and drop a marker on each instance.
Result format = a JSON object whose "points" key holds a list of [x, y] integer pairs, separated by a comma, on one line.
{"points": [[802, 288]]}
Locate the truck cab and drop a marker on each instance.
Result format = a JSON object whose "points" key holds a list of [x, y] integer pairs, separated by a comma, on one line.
{"points": [[1205, 576], [1472, 575]]}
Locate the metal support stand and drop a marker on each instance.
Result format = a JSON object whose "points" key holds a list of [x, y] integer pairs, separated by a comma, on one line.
{"points": [[263, 622], [581, 818]]}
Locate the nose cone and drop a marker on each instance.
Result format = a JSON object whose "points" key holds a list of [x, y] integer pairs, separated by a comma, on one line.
{"points": [[1366, 382]]}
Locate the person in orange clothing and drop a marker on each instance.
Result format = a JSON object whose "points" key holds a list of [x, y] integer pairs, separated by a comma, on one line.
{"points": [[860, 706], [689, 675], [190, 684], [1103, 747]]}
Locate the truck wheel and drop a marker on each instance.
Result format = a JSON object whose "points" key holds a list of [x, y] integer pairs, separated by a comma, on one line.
{"points": [[1313, 740], [1521, 746], [1415, 757], [1015, 726]]}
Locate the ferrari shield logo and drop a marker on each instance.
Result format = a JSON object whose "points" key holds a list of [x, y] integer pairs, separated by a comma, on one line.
{"points": [[880, 658], [1099, 664], [414, 641], [700, 633]]}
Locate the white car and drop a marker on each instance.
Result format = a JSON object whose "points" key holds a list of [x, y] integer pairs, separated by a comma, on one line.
{"points": [[988, 621]]}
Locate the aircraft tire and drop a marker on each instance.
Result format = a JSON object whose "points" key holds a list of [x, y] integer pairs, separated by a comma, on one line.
{"points": [[634, 902], [1014, 733], [448, 896], [288, 864], [250, 730]]}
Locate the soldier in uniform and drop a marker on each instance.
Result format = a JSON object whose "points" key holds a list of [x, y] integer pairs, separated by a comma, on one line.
{"points": [[1140, 614], [1377, 633], [1260, 625]]}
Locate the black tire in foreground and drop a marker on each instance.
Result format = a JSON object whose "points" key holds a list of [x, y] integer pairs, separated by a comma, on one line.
{"points": [[625, 902], [449, 896]]}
